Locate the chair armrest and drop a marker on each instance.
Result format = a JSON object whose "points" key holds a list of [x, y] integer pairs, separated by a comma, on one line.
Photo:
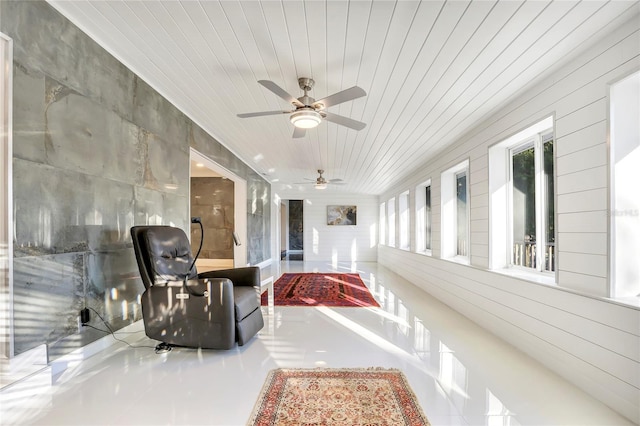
{"points": [[248, 276]]}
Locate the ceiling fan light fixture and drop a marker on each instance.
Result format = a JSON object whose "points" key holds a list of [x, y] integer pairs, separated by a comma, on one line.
{"points": [[321, 186], [305, 119]]}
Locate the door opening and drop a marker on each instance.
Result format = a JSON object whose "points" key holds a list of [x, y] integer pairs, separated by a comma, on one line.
{"points": [[218, 197], [292, 214]]}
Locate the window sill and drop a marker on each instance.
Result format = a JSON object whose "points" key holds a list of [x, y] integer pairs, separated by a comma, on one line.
{"points": [[535, 277], [462, 260], [425, 253]]}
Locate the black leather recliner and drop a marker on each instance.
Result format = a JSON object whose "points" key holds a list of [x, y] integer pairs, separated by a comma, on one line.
{"points": [[210, 310]]}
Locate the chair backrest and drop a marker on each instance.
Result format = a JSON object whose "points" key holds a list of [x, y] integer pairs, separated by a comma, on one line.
{"points": [[163, 254]]}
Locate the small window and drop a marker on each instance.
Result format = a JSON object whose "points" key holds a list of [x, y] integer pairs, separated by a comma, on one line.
{"points": [[383, 223], [522, 194], [423, 218], [403, 208], [532, 217], [427, 218], [391, 217], [624, 178], [462, 215], [455, 213]]}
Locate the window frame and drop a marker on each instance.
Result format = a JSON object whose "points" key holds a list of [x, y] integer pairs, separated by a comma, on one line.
{"points": [[391, 222], [536, 142], [422, 217], [383, 223], [448, 213], [501, 239], [624, 208], [404, 221]]}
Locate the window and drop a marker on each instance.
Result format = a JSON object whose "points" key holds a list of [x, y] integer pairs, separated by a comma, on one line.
{"points": [[423, 218], [391, 217], [403, 208], [625, 175], [427, 218], [462, 216], [455, 212], [521, 184], [532, 216], [383, 223]]}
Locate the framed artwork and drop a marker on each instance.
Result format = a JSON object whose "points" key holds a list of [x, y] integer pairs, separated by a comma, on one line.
{"points": [[341, 215]]}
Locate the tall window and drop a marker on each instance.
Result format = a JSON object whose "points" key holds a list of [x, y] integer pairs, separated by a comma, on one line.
{"points": [[427, 217], [462, 215], [391, 216], [403, 208], [383, 223], [625, 176], [532, 203], [423, 217], [455, 212], [522, 195]]}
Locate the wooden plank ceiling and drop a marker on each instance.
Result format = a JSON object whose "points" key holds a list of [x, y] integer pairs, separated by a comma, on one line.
{"points": [[431, 70]]}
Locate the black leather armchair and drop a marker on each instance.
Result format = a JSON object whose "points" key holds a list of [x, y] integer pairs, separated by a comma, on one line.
{"points": [[180, 307]]}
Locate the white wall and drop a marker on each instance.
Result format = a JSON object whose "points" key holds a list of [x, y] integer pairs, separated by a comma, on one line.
{"points": [[337, 243], [571, 328]]}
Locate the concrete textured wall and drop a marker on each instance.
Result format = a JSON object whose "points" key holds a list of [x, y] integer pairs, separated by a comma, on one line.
{"points": [[95, 151]]}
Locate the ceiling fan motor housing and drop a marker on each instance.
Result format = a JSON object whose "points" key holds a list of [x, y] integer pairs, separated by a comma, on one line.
{"points": [[306, 83]]}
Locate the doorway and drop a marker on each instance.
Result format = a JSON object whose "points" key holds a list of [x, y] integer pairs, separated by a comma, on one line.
{"points": [[222, 208], [292, 230]]}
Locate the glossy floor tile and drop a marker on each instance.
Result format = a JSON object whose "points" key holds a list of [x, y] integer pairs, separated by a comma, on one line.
{"points": [[461, 374]]}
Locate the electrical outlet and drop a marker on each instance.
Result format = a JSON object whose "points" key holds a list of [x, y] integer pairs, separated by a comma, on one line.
{"points": [[85, 316]]}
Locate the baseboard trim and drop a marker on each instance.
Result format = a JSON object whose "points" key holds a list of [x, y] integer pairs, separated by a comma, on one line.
{"points": [[74, 358]]}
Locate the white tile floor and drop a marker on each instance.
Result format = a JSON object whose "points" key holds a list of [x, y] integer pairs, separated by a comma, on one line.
{"points": [[461, 374]]}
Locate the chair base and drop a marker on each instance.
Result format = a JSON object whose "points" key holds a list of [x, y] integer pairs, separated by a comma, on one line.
{"points": [[249, 327]]}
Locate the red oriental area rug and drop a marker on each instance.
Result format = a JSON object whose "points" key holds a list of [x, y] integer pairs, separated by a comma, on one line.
{"points": [[337, 397], [320, 289]]}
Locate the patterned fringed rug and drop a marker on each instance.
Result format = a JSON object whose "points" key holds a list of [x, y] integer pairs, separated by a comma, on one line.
{"points": [[320, 289], [337, 397]]}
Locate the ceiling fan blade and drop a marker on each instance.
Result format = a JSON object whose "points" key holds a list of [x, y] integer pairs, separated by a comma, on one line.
{"points": [[344, 121], [260, 114], [298, 132], [334, 180], [354, 92], [280, 92]]}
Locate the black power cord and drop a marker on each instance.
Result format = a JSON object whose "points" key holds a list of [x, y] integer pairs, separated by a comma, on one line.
{"points": [[199, 222], [110, 331], [186, 278]]}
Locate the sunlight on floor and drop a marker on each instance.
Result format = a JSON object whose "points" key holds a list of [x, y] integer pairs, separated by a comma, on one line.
{"points": [[461, 374]]}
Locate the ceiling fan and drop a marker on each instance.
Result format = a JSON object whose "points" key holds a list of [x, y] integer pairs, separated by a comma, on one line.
{"points": [[320, 182], [308, 112]]}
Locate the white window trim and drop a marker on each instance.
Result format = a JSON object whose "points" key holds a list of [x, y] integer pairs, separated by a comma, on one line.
{"points": [[448, 213], [624, 245], [500, 239], [420, 218], [391, 222], [383, 223], [404, 242]]}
